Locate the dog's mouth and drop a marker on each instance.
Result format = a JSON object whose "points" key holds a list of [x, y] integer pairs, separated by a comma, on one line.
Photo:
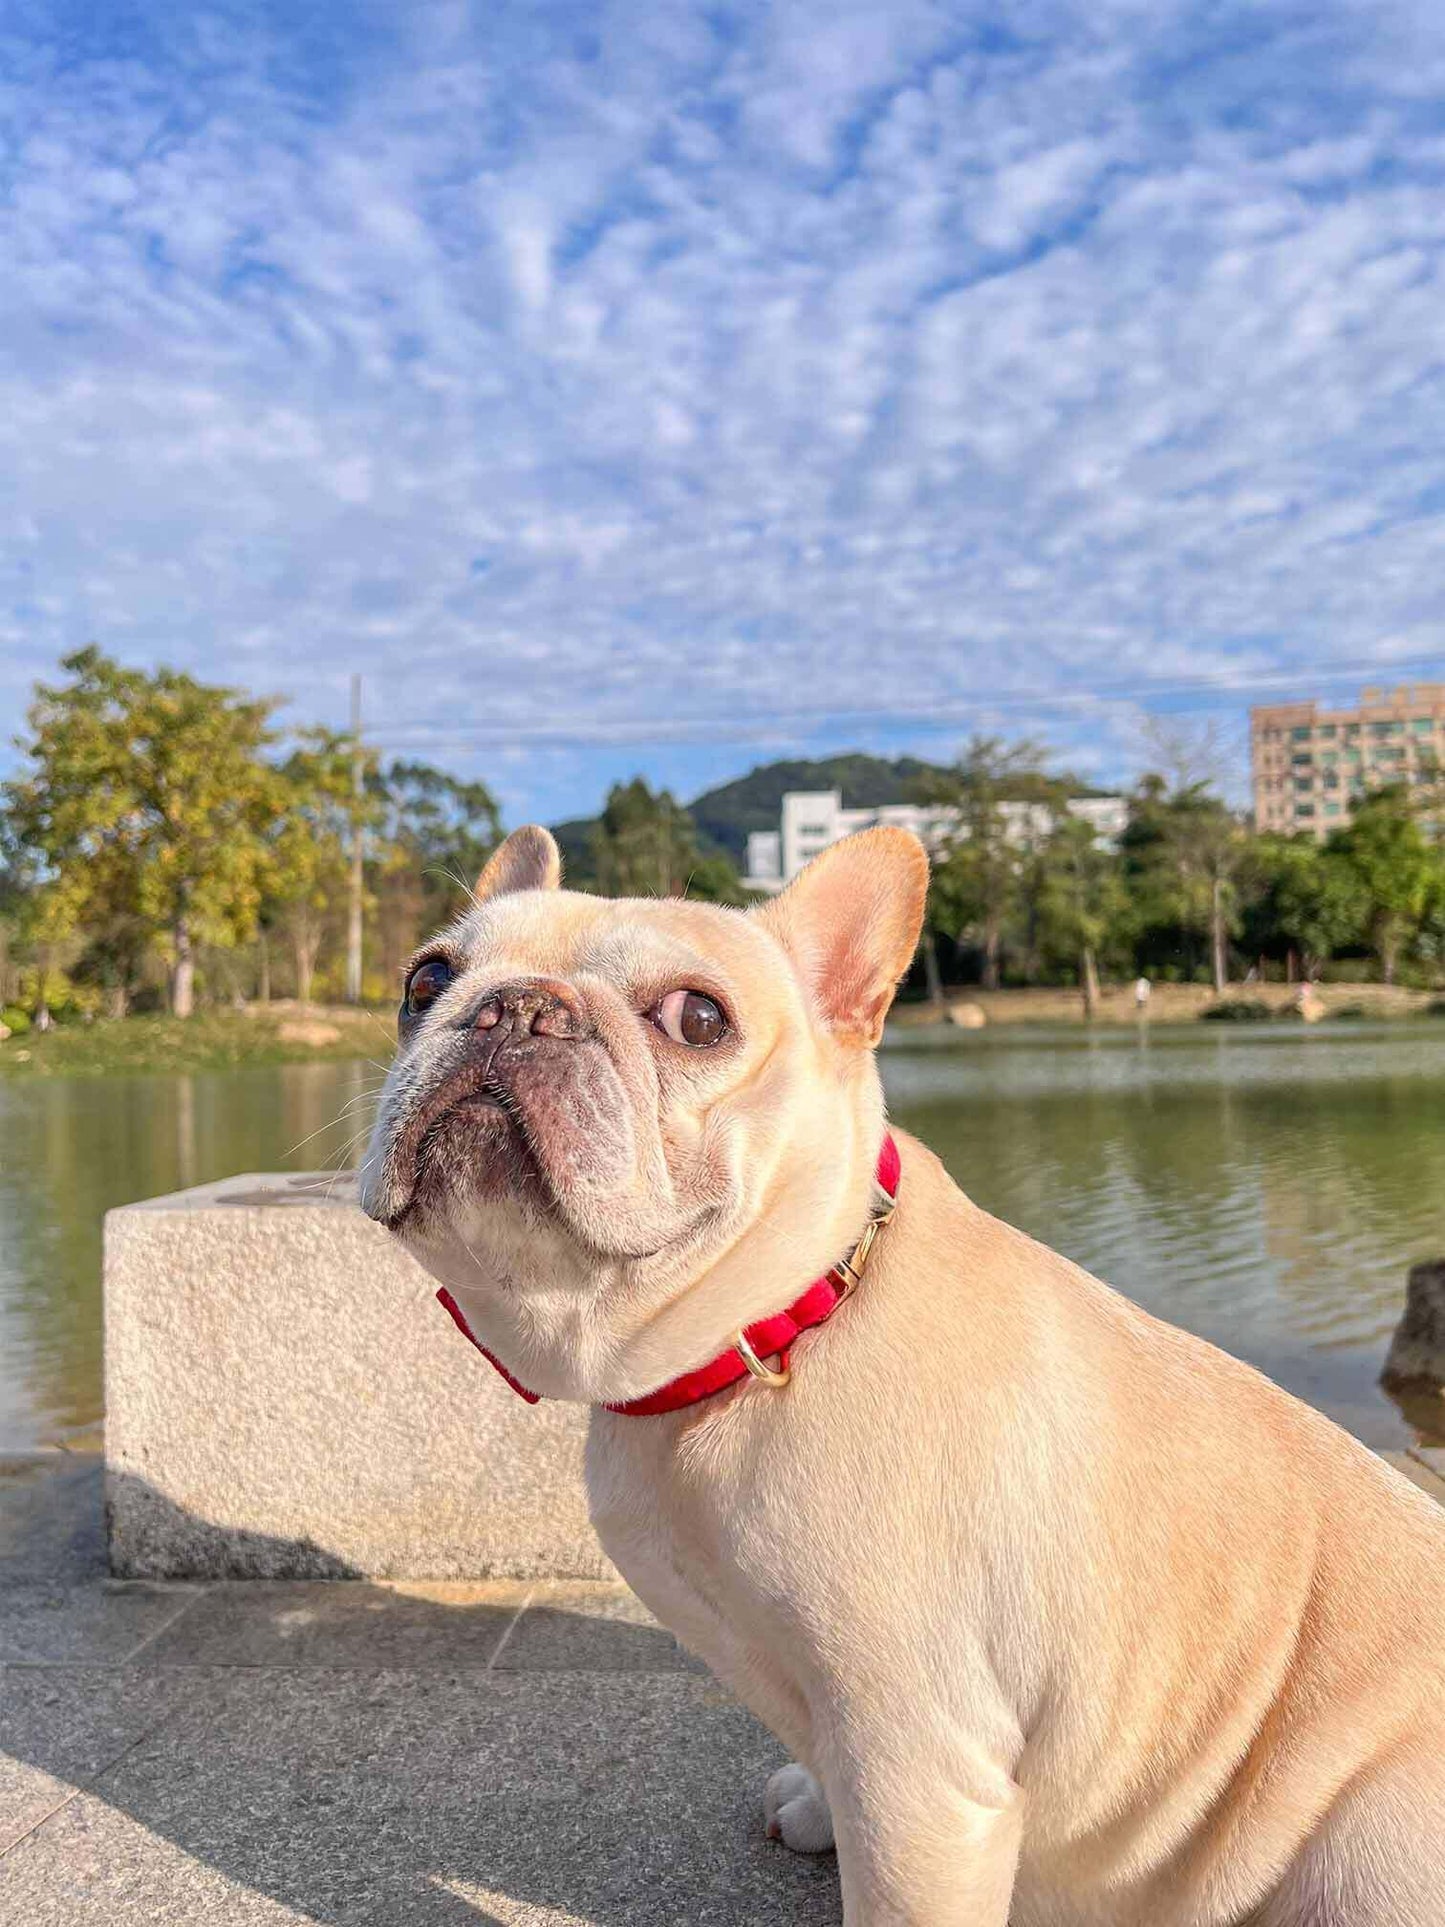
{"points": [[468, 1141]]}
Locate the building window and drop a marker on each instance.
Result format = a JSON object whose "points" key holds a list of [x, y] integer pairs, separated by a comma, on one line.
{"points": [[1302, 785], [1423, 725], [1304, 809], [1351, 731], [1302, 759], [1302, 734], [1332, 809], [1328, 730]]}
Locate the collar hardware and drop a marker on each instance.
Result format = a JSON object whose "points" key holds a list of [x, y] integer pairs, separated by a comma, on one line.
{"points": [[767, 1338], [756, 1366]]}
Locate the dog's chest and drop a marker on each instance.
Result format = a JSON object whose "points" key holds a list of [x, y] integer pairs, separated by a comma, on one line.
{"points": [[696, 1534]]}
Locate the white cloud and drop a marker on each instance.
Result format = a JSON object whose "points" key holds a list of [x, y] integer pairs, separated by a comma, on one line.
{"points": [[652, 362]]}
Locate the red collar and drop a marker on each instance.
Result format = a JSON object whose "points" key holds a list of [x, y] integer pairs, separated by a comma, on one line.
{"points": [[768, 1337]]}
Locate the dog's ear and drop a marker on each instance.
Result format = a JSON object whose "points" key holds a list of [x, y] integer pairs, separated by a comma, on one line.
{"points": [[850, 922], [528, 860]]}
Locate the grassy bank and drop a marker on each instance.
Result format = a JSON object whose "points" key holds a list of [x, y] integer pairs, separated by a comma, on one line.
{"points": [[212, 1040], [1171, 1003]]}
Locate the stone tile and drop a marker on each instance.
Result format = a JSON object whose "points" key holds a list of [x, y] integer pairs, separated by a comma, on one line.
{"points": [[59, 1727], [95, 1625], [591, 1626], [343, 1623], [92, 1863], [538, 1799]]}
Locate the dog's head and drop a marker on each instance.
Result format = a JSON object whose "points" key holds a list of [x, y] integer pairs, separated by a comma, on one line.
{"points": [[597, 1103]]}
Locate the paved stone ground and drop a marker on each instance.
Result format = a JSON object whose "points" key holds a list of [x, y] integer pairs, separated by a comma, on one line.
{"points": [[366, 1755], [373, 1755]]}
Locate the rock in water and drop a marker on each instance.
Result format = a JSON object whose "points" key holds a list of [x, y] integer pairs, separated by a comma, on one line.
{"points": [[967, 1016], [1417, 1351]]}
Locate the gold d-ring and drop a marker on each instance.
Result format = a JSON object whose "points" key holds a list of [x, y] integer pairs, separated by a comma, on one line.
{"points": [[756, 1366]]}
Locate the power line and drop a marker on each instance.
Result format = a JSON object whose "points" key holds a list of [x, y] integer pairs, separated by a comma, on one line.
{"points": [[434, 734]]}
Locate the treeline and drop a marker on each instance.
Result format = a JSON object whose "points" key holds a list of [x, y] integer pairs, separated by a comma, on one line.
{"points": [[1188, 894], [164, 842]]}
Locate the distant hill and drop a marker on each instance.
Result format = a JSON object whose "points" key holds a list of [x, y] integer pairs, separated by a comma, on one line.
{"points": [[724, 816]]}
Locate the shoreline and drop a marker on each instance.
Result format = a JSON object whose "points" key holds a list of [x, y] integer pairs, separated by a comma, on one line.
{"points": [[285, 1032], [1168, 1004]]}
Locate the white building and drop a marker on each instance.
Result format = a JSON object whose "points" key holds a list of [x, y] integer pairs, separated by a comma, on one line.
{"points": [[812, 819]]}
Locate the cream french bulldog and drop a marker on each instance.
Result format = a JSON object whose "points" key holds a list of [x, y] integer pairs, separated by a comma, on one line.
{"points": [[1068, 1619]]}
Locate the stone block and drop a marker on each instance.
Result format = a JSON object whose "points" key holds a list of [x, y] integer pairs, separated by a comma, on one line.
{"points": [[285, 1399]]}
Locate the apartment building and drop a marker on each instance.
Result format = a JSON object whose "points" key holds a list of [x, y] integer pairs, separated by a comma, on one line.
{"points": [[1310, 765], [812, 819]]}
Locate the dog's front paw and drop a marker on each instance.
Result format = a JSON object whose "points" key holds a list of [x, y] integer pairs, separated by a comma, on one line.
{"points": [[796, 1812]]}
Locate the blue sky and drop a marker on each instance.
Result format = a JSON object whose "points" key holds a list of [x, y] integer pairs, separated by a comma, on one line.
{"points": [[679, 377]]}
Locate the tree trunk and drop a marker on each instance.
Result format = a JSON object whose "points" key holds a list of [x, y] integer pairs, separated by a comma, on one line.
{"points": [[263, 987], [1089, 982], [933, 976], [1388, 947], [183, 973], [306, 948], [1218, 942], [117, 1000], [990, 956]]}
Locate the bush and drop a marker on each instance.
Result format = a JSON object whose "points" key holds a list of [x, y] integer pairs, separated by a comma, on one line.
{"points": [[1351, 1011], [15, 1020], [1238, 1010]]}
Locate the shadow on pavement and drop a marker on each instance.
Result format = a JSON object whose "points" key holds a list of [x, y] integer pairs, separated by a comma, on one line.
{"points": [[362, 1754]]}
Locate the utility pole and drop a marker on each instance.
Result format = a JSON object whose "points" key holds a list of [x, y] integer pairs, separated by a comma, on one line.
{"points": [[353, 919]]}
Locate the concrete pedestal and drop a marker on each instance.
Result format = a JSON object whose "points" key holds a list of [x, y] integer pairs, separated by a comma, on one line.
{"points": [[285, 1399]]}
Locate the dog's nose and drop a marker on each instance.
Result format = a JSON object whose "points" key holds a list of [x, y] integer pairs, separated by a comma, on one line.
{"points": [[537, 1006]]}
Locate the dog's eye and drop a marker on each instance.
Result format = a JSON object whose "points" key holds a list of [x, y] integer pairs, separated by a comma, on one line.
{"points": [[425, 984], [688, 1017]]}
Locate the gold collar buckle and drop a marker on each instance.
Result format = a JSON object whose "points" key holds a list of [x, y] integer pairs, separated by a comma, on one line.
{"points": [[849, 1274]]}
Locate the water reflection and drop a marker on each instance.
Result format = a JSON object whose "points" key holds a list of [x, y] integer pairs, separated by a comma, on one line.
{"points": [[70, 1148], [1268, 1192]]}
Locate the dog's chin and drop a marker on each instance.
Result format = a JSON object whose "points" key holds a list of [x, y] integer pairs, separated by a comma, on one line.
{"points": [[472, 1152]]}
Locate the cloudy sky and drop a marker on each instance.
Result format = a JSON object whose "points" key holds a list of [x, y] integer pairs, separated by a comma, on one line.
{"points": [[650, 386]]}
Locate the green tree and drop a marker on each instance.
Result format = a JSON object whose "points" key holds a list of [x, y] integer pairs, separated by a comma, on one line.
{"points": [[152, 791], [1312, 899], [1208, 844], [1386, 848], [1080, 902], [1183, 853], [307, 874], [976, 875], [433, 839], [645, 844]]}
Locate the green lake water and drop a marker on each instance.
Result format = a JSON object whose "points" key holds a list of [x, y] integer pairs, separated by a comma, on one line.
{"points": [[1266, 1189]]}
